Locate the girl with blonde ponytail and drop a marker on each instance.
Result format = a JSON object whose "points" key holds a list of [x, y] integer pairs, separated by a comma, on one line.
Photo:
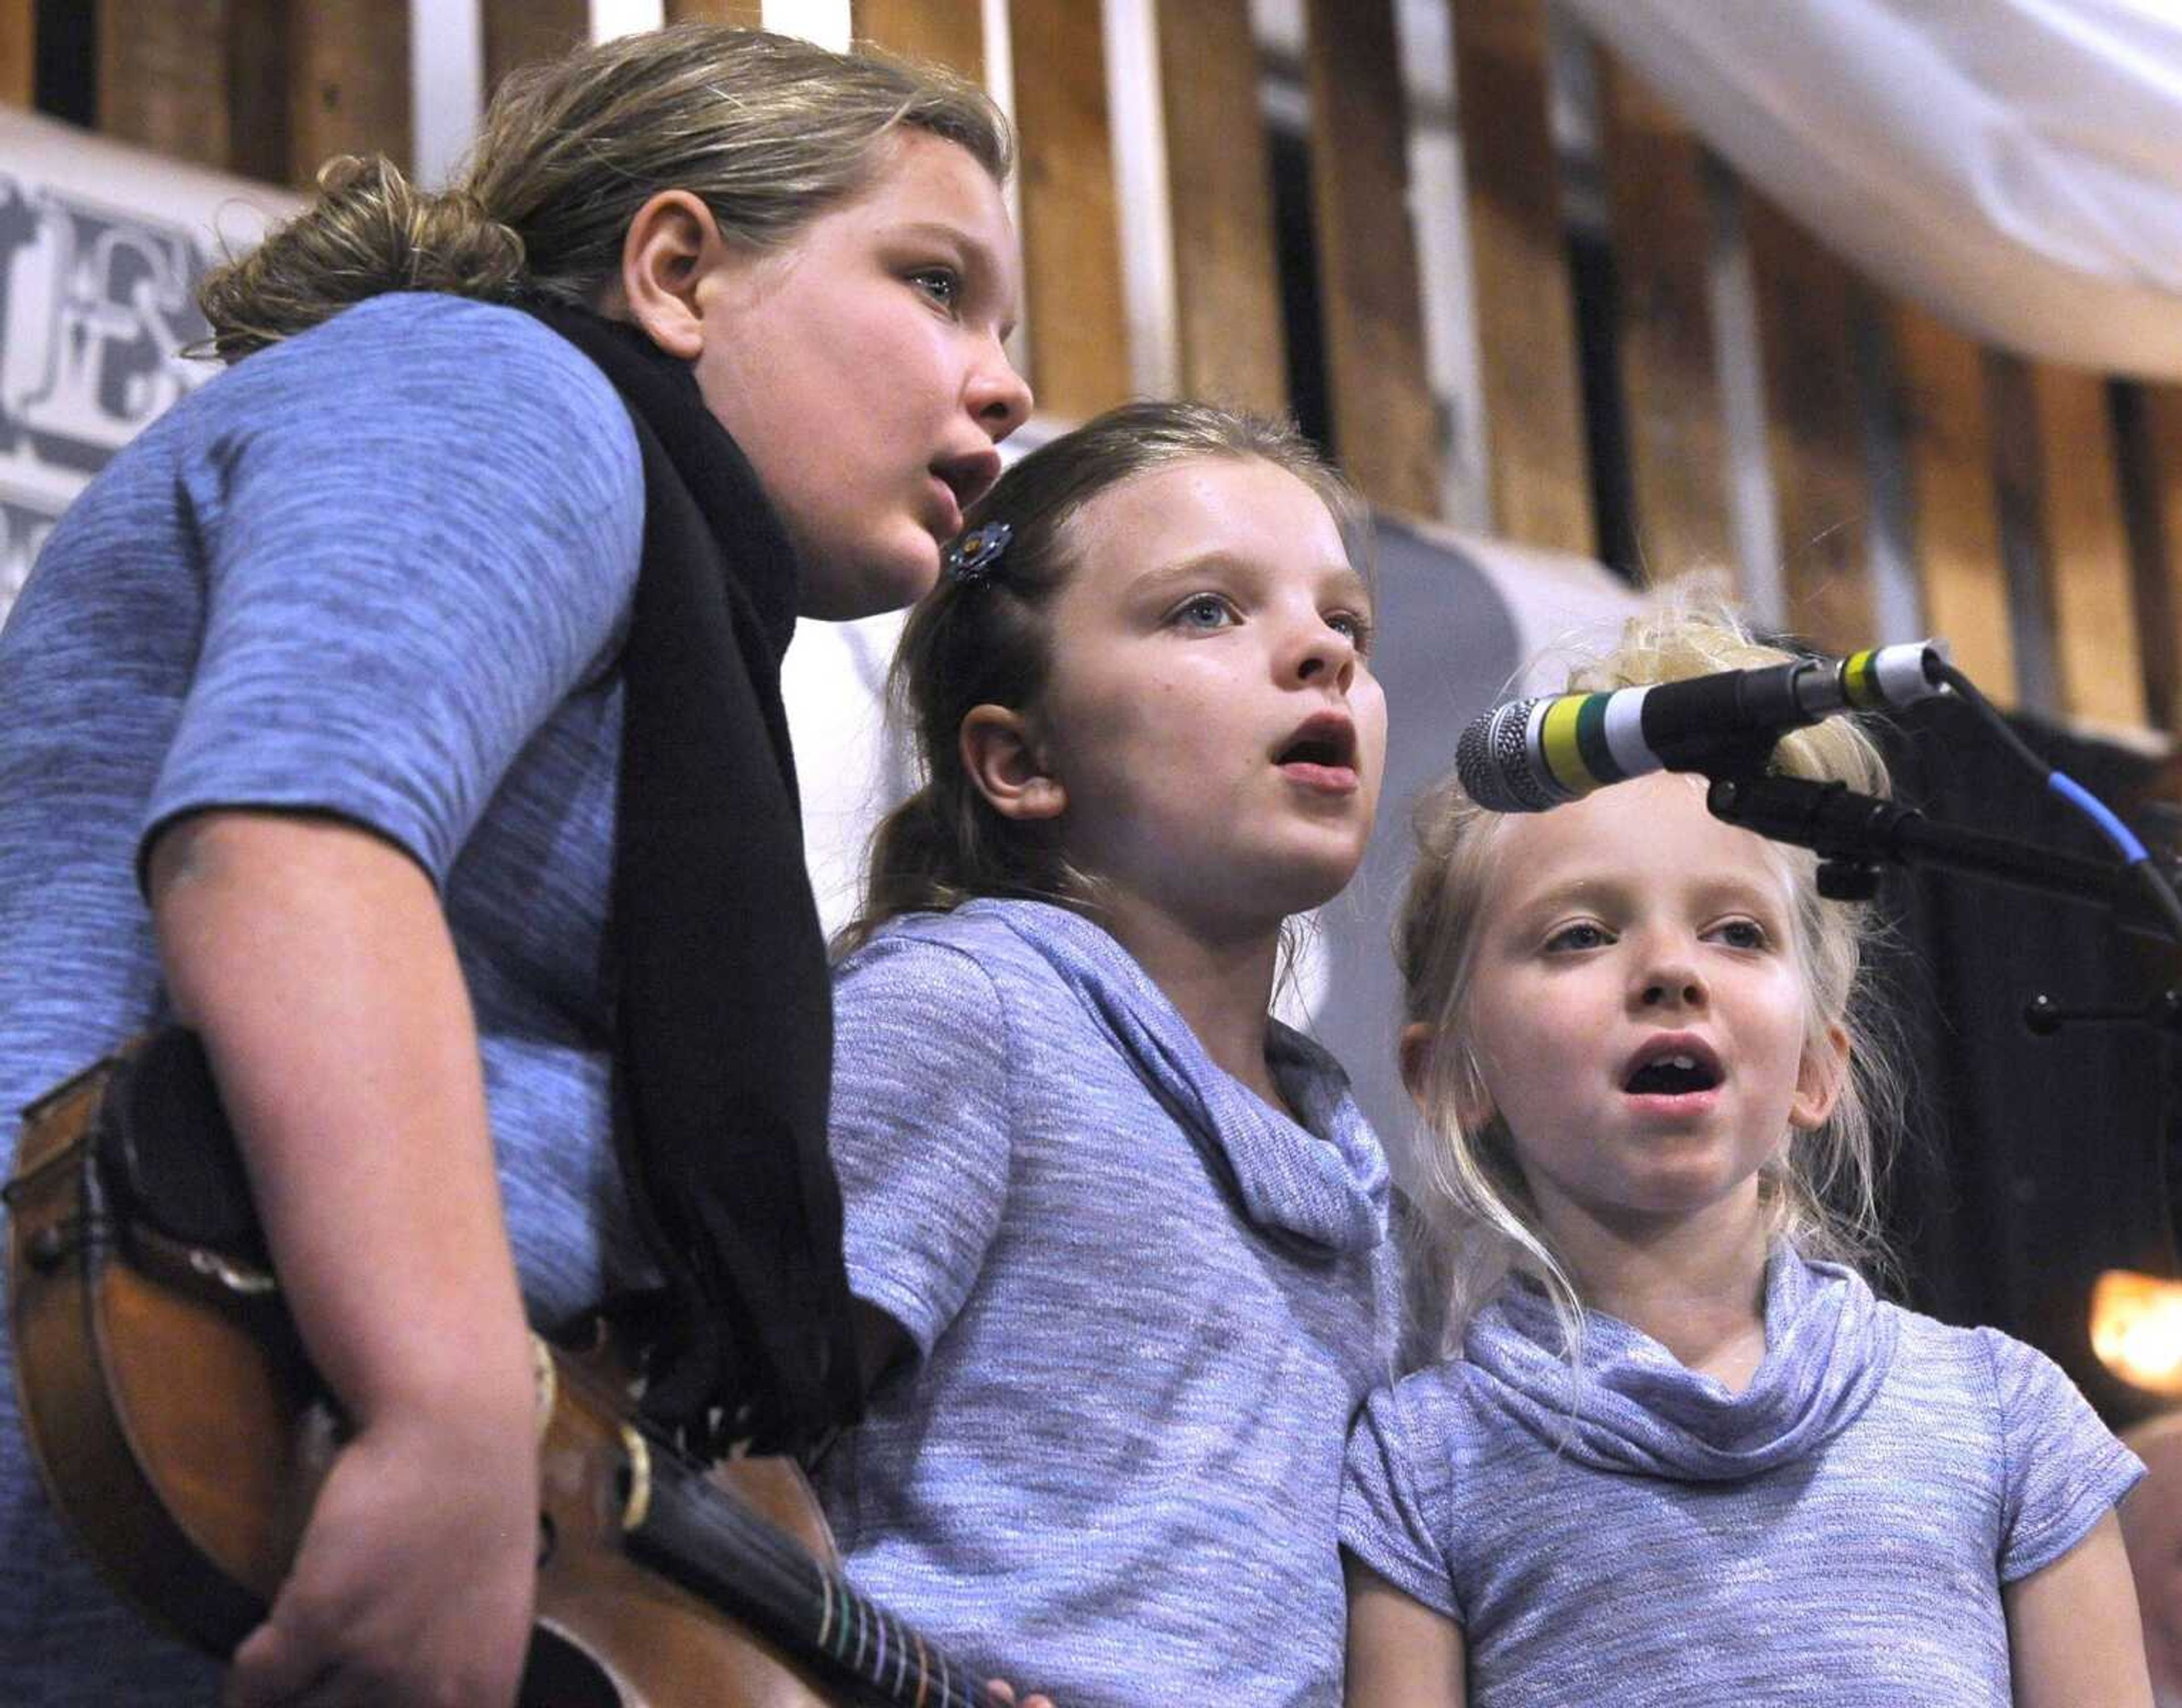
{"points": [[425, 668]]}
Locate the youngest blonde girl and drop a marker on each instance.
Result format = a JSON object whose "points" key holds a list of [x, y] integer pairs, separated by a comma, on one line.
{"points": [[1681, 1453]]}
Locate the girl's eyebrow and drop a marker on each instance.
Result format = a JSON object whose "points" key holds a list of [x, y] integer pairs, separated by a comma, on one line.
{"points": [[1754, 892], [1349, 581], [1184, 571], [1591, 890], [1597, 890]]}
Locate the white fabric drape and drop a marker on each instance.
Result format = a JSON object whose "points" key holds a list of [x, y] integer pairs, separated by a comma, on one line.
{"points": [[2015, 165]]}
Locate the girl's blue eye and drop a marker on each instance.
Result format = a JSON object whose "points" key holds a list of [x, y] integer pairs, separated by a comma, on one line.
{"points": [[1354, 624], [1582, 935], [1743, 934], [1204, 610]]}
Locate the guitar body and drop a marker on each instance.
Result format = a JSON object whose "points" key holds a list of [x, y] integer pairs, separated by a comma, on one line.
{"points": [[181, 1435]]}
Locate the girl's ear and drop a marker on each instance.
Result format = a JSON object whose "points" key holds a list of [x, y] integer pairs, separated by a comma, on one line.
{"points": [[1819, 1077], [1414, 1050], [671, 246], [1416, 1037], [1002, 757]]}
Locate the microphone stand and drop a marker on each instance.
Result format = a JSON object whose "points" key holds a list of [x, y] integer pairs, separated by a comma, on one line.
{"points": [[1853, 834]]}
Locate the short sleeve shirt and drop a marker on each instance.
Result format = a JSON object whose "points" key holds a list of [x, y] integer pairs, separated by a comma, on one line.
{"points": [[1868, 1572], [1113, 1473]]}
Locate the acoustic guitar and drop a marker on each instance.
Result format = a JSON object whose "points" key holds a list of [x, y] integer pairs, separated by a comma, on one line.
{"points": [[182, 1435]]}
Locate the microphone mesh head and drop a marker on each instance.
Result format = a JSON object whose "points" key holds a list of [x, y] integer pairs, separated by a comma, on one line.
{"points": [[1492, 760]]}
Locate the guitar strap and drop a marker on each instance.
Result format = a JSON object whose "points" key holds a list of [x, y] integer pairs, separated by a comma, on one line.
{"points": [[723, 1018]]}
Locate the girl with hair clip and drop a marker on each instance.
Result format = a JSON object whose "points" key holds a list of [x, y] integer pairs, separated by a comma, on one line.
{"points": [[1679, 1452], [1118, 1236], [423, 668]]}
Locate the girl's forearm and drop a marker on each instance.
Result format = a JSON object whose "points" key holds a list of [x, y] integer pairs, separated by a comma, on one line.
{"points": [[315, 961]]}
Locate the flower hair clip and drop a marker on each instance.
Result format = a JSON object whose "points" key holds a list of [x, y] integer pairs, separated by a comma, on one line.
{"points": [[975, 556]]}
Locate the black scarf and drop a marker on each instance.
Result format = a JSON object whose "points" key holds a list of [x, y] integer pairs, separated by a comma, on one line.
{"points": [[723, 1020]]}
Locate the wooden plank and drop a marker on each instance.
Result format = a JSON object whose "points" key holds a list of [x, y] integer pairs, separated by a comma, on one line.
{"points": [[1386, 431], [746, 12], [1807, 300], [1661, 232], [162, 74], [2096, 649], [1219, 189], [946, 32], [2148, 422], [516, 32], [18, 53], [201, 80], [1539, 473], [2019, 476], [2158, 457], [258, 105], [1071, 247], [349, 63], [1947, 444]]}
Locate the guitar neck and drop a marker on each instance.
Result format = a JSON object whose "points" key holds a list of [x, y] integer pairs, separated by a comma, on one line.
{"points": [[715, 1548]]}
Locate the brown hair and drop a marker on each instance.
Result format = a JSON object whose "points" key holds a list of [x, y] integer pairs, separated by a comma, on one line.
{"points": [[766, 129], [1473, 1199], [988, 642]]}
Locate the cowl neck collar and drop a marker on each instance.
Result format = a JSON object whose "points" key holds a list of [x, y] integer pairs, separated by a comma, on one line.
{"points": [[1323, 1182], [1635, 1408]]}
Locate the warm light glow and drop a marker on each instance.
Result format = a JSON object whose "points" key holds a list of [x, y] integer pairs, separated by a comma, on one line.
{"points": [[2136, 1329]]}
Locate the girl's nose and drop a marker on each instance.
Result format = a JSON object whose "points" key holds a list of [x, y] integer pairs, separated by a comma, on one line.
{"points": [[998, 396], [1671, 983], [1324, 655]]}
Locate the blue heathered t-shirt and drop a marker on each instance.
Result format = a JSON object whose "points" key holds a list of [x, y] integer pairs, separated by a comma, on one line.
{"points": [[381, 570], [1837, 1533], [1145, 1305]]}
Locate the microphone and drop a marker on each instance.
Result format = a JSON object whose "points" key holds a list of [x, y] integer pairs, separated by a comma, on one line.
{"points": [[1530, 754]]}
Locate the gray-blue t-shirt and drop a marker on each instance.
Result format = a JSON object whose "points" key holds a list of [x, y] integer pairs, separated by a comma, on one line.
{"points": [[382, 571], [1145, 1306], [1837, 1533]]}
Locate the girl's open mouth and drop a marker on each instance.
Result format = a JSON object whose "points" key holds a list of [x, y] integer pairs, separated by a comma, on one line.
{"points": [[1673, 1068], [1322, 754]]}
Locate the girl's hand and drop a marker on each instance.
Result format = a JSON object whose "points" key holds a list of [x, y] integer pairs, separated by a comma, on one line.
{"points": [[415, 1582], [1006, 1692]]}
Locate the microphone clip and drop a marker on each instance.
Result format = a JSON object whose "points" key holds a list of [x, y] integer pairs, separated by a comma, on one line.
{"points": [[1854, 835], [1848, 880]]}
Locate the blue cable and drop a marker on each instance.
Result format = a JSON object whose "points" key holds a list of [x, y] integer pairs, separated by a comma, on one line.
{"points": [[2136, 858], [2100, 814]]}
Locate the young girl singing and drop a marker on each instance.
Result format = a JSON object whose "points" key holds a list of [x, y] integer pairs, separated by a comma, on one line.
{"points": [[1682, 1454], [1119, 1236]]}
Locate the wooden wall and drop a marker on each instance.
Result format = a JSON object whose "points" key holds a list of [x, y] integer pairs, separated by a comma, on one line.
{"points": [[1849, 459]]}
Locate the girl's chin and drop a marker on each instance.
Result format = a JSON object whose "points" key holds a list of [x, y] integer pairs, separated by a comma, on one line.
{"points": [[885, 575]]}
